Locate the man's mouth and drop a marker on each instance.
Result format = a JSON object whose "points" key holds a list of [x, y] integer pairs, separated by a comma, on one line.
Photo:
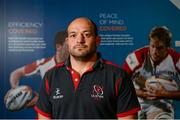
{"points": [[80, 46]]}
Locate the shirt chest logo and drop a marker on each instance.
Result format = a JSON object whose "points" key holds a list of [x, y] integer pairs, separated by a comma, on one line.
{"points": [[97, 92], [57, 94]]}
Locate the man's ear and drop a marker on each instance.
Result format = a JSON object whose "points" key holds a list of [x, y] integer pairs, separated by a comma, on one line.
{"points": [[98, 40]]}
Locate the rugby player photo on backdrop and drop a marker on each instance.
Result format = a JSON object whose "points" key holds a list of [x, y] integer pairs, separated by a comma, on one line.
{"points": [[155, 73], [14, 99]]}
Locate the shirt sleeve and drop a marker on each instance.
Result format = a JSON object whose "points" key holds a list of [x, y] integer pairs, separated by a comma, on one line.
{"points": [[135, 59], [131, 63], [33, 68], [43, 105], [127, 102]]}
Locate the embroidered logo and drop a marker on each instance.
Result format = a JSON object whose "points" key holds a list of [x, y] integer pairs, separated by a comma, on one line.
{"points": [[97, 92], [57, 94]]}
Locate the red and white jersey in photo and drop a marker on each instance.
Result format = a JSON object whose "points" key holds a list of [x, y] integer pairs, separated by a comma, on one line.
{"points": [[139, 63], [40, 66]]}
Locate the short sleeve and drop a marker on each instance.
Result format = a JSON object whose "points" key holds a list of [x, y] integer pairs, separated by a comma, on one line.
{"points": [[127, 102], [43, 105], [31, 69]]}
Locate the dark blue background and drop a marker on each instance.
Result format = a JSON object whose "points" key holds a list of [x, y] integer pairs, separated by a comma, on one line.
{"points": [[140, 16]]}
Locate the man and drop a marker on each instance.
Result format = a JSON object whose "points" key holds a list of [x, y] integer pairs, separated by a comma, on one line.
{"points": [[39, 67], [86, 86], [155, 73]]}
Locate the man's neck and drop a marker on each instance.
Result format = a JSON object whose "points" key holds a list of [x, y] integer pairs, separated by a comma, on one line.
{"points": [[81, 66]]}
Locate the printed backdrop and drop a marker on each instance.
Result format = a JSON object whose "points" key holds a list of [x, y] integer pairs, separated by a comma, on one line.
{"points": [[28, 27]]}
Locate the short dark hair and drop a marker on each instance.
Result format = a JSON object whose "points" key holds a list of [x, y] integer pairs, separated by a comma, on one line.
{"points": [[60, 37], [162, 33]]}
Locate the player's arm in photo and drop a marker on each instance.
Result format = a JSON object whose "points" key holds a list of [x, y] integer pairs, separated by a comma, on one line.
{"points": [[23, 71]]}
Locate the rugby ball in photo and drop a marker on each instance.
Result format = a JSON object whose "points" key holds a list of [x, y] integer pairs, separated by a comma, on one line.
{"points": [[168, 84], [16, 99]]}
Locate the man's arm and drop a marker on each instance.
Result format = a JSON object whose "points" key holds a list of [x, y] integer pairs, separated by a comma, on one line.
{"points": [[161, 92], [26, 70], [15, 77]]}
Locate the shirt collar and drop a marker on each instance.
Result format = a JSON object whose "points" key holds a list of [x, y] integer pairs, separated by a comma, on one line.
{"points": [[98, 64]]}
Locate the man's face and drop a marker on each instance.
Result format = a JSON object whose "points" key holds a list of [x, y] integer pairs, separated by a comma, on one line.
{"points": [[158, 49], [82, 42]]}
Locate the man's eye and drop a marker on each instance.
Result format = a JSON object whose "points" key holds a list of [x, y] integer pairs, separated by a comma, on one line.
{"points": [[72, 36], [160, 48], [87, 35], [153, 46]]}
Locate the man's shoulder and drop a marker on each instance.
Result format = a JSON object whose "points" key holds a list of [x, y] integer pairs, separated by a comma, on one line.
{"points": [[136, 58], [142, 50], [139, 54], [115, 70], [57, 66], [174, 55], [172, 51], [110, 63], [112, 66]]}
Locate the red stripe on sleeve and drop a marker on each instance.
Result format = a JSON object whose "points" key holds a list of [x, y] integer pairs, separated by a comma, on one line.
{"points": [[117, 86], [47, 86], [130, 112], [41, 112], [111, 63]]}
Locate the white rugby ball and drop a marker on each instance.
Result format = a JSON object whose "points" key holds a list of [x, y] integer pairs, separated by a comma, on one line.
{"points": [[168, 84], [16, 99]]}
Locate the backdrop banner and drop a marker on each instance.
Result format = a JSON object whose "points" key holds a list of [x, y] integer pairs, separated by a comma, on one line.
{"points": [[28, 28]]}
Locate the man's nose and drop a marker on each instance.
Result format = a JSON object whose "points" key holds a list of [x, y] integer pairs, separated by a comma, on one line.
{"points": [[81, 38], [156, 51]]}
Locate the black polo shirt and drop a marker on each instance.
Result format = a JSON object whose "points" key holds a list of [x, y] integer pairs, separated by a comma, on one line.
{"points": [[103, 91]]}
